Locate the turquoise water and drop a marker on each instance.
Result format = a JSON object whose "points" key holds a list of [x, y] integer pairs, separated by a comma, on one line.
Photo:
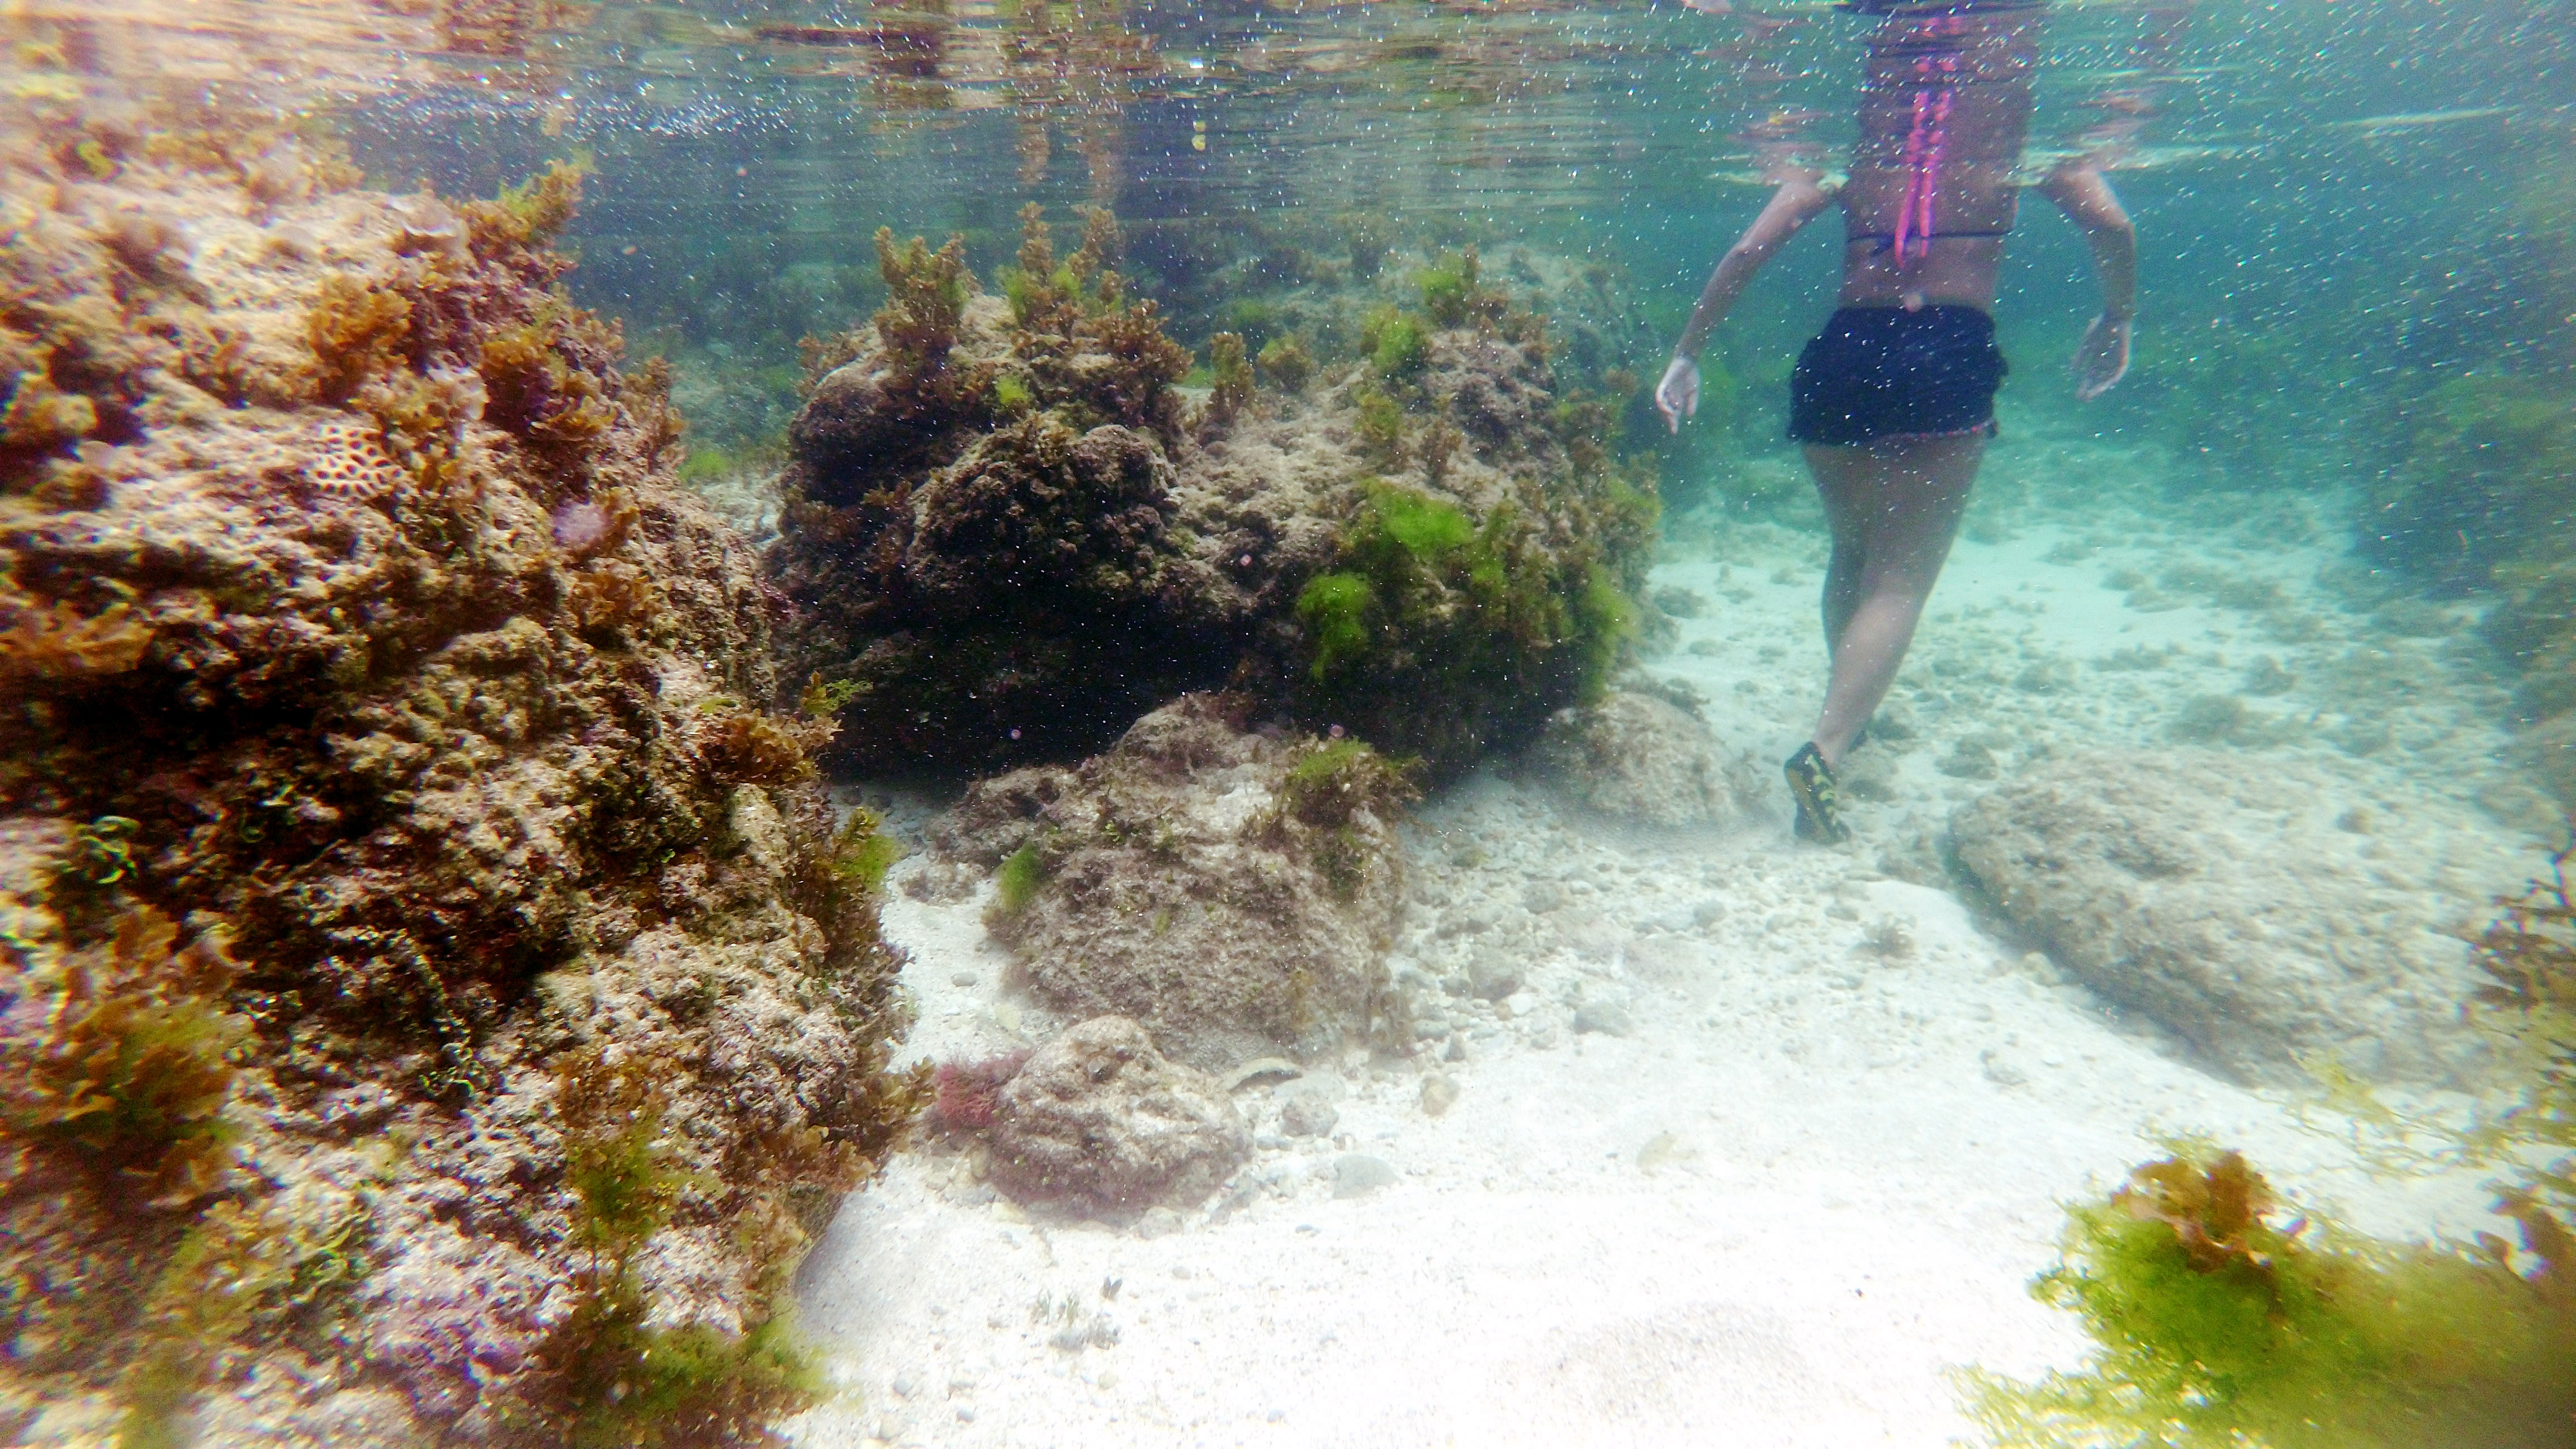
{"points": [[2333, 178]]}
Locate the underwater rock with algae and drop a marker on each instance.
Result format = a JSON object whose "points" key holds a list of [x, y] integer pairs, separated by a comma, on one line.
{"points": [[1431, 547], [1233, 890], [386, 785]]}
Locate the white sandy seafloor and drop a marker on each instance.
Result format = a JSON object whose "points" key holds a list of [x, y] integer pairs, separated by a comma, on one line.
{"points": [[1834, 1144]]}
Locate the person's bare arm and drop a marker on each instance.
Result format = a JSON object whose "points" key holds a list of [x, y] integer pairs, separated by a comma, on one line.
{"points": [[2088, 201], [1792, 206]]}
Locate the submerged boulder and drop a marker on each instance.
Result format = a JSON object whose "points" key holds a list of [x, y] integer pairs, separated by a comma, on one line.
{"points": [[391, 825], [1009, 556], [1100, 1121], [2265, 910], [1234, 891], [1644, 758]]}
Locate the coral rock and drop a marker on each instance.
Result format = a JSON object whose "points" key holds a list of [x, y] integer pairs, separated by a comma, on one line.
{"points": [[1194, 879], [1101, 1121], [1642, 757], [445, 729], [2264, 910]]}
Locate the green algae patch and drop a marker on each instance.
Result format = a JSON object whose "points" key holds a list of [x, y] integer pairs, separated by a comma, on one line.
{"points": [[2218, 1326], [1438, 634], [1016, 883]]}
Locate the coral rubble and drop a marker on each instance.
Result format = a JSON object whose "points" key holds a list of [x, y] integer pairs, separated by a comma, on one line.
{"points": [[2263, 909], [1233, 892], [435, 1001], [1434, 551]]}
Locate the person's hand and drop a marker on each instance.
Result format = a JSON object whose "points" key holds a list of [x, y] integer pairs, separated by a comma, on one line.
{"points": [[2102, 358], [1677, 396]]}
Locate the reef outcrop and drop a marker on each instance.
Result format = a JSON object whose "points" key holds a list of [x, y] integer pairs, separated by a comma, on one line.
{"points": [[1006, 535], [1234, 891], [2266, 911], [435, 1003], [1100, 1122]]}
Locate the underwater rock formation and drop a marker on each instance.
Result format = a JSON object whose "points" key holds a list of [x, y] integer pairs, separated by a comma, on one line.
{"points": [[1232, 890], [1005, 538], [2264, 910], [437, 1003], [1101, 1122], [1646, 758]]}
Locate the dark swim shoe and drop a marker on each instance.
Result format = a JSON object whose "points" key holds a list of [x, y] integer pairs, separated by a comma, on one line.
{"points": [[1811, 781]]}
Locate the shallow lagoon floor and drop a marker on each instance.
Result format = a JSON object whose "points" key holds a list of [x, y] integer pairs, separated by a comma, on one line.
{"points": [[1772, 1136]]}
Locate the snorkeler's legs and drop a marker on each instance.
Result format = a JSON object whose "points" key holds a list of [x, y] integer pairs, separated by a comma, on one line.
{"points": [[1894, 508], [1841, 492]]}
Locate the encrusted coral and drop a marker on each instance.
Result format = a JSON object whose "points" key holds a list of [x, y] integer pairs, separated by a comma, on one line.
{"points": [[388, 760]]}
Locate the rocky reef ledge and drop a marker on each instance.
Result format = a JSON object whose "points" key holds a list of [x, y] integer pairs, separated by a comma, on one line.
{"points": [[436, 1004], [1007, 535]]}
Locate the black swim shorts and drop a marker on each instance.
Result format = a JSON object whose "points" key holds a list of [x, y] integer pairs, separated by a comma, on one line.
{"points": [[1884, 372]]}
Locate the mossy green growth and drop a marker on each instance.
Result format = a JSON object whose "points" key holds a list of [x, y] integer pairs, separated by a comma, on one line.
{"points": [[1395, 343], [1287, 362], [864, 853], [610, 1376], [1012, 395], [2219, 1329], [704, 465], [1230, 375], [1435, 632], [1381, 426], [1016, 884], [1453, 294], [1334, 610], [1332, 780]]}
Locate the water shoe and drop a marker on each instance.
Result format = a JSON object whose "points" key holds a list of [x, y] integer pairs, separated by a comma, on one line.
{"points": [[1811, 781]]}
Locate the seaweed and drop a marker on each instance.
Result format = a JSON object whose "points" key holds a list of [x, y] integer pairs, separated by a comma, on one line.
{"points": [[121, 1055], [1233, 389], [244, 1272], [528, 216], [2214, 1327], [608, 1374], [925, 306], [1380, 426], [1395, 344], [1285, 360], [2217, 1329], [1016, 883], [51, 646], [1425, 603], [752, 748], [862, 853], [533, 389], [967, 1092], [1331, 782], [1453, 296], [358, 331]]}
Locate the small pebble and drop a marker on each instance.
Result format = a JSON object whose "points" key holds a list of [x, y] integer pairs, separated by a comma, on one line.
{"points": [[1439, 1094], [1608, 1018], [1356, 1174]]}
